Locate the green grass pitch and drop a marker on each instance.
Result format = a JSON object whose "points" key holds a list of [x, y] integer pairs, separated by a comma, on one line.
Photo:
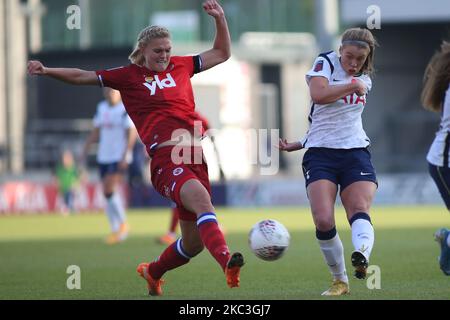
{"points": [[35, 251]]}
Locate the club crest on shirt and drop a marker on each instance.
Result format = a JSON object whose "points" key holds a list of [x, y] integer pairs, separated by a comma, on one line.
{"points": [[319, 66], [149, 79], [177, 171]]}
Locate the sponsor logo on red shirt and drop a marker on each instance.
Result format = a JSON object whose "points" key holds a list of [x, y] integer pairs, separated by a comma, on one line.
{"points": [[168, 82]]}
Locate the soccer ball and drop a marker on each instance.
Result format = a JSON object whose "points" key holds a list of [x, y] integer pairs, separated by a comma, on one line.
{"points": [[268, 239]]}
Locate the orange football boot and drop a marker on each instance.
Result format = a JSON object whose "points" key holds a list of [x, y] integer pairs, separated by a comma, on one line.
{"points": [[154, 286], [233, 269]]}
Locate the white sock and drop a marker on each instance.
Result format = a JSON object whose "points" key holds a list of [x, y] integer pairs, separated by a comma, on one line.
{"points": [[448, 241], [333, 252], [112, 215], [363, 236], [119, 208]]}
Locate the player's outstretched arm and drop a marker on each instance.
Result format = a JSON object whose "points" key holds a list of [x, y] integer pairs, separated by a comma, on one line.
{"points": [[221, 49], [68, 75], [283, 145]]}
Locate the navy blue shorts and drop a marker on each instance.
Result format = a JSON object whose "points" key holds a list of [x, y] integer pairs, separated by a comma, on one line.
{"points": [[441, 176], [109, 168], [340, 166]]}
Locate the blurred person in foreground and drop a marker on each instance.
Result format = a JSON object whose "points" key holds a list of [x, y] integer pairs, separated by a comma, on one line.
{"points": [[338, 156], [157, 94], [67, 179], [436, 97], [116, 136]]}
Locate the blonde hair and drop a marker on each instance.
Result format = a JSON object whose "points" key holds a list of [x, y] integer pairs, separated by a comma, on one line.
{"points": [[436, 79], [362, 38], [144, 37]]}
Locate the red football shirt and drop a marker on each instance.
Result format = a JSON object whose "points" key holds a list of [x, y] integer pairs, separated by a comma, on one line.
{"points": [[158, 102]]}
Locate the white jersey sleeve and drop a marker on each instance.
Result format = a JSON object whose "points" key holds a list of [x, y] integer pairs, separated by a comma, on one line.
{"points": [[321, 68]]}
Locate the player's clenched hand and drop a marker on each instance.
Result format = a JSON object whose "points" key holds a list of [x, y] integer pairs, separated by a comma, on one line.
{"points": [[361, 88], [283, 145], [213, 8], [35, 68]]}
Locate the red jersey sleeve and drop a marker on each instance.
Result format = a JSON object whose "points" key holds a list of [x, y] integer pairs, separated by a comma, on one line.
{"points": [[191, 63], [116, 78]]}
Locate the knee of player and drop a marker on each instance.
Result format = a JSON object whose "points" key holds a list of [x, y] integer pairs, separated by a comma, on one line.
{"points": [[358, 206], [195, 194], [323, 223], [198, 203], [194, 190]]}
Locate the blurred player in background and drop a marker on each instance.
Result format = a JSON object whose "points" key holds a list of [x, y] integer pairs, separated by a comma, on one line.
{"points": [[136, 176], [67, 179], [157, 94], [116, 136], [436, 97], [171, 235], [338, 153]]}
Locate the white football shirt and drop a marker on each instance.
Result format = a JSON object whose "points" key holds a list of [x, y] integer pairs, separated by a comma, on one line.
{"points": [[113, 122], [438, 154], [337, 125]]}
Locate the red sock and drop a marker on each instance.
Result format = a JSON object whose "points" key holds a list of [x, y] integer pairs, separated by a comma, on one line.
{"points": [[174, 221], [213, 238], [173, 257]]}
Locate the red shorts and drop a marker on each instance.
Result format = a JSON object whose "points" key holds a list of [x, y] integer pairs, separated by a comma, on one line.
{"points": [[168, 177]]}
